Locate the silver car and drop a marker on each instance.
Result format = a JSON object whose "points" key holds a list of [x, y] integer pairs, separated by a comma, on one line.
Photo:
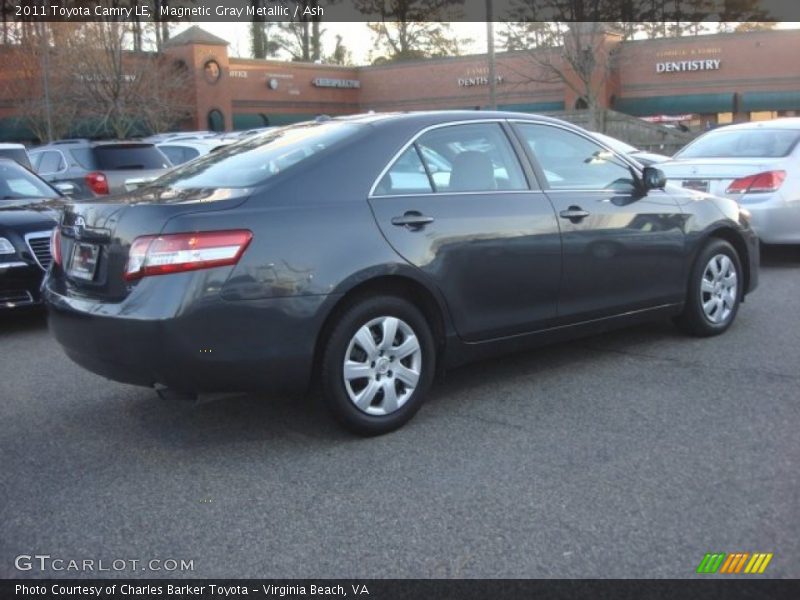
{"points": [[756, 164]]}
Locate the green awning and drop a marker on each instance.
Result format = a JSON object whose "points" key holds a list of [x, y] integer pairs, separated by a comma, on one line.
{"points": [[248, 121], [288, 118], [675, 105], [534, 107], [752, 101]]}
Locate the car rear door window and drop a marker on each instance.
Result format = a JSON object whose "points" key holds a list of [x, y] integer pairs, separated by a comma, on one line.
{"points": [[51, 162], [572, 162], [474, 157], [406, 176]]}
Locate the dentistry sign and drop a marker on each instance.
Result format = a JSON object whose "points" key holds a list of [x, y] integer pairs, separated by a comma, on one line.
{"points": [[708, 64]]}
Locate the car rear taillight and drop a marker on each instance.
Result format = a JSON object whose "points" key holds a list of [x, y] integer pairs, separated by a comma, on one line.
{"points": [[55, 245], [178, 252], [97, 182], [768, 181]]}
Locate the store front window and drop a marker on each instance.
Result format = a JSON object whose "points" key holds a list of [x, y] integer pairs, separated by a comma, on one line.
{"points": [[724, 118], [763, 115]]}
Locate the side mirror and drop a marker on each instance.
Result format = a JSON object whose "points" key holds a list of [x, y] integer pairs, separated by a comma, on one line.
{"points": [[653, 179], [65, 188]]}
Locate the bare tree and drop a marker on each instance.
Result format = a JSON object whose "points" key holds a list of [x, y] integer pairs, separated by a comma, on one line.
{"points": [[301, 39], [575, 56], [755, 26], [122, 90], [341, 55], [41, 88], [165, 93], [411, 29]]}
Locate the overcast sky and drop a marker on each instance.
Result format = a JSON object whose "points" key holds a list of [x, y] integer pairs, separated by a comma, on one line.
{"points": [[356, 37]]}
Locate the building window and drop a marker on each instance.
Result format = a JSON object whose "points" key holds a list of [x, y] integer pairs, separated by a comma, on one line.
{"points": [[212, 71], [763, 115], [724, 118]]}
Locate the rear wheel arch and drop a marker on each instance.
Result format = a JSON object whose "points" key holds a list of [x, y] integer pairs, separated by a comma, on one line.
{"points": [[403, 287]]}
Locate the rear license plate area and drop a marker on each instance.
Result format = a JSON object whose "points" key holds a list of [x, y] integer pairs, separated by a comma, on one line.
{"points": [[83, 262], [697, 185]]}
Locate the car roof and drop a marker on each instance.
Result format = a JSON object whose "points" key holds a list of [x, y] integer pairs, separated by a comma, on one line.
{"points": [[60, 144], [204, 143], [441, 116], [5, 146]]}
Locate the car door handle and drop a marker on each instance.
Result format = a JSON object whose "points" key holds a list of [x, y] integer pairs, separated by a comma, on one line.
{"points": [[574, 212], [412, 219]]}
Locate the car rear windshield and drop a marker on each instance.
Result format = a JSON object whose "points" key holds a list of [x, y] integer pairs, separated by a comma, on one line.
{"points": [[744, 143], [125, 157], [260, 157]]}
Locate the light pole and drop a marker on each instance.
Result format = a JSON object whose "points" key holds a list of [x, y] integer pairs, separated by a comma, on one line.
{"points": [[490, 54], [45, 50]]}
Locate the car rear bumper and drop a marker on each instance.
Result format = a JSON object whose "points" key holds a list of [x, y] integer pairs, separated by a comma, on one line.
{"points": [[775, 220], [219, 346]]}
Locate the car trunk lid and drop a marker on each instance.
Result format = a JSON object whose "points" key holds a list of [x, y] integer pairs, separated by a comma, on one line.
{"points": [[96, 236], [714, 175]]}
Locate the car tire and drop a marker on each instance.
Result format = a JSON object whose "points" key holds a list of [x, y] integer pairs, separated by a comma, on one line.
{"points": [[715, 291], [374, 387]]}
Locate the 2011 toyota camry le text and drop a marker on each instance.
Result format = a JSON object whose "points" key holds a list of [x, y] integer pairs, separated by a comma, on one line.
{"points": [[360, 256]]}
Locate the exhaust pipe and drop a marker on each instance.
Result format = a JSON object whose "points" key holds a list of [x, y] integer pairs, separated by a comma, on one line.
{"points": [[169, 394]]}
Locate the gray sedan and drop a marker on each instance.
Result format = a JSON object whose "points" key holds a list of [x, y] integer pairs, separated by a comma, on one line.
{"points": [[309, 257]]}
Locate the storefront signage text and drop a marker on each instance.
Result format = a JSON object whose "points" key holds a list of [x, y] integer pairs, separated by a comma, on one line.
{"points": [[336, 83], [689, 65], [480, 80]]}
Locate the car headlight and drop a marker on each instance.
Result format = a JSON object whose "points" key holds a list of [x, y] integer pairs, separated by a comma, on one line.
{"points": [[6, 247]]}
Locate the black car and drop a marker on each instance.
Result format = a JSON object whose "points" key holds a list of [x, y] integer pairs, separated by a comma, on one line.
{"points": [[28, 213], [365, 254]]}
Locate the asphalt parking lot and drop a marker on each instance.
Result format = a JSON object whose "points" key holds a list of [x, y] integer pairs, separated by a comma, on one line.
{"points": [[630, 454]]}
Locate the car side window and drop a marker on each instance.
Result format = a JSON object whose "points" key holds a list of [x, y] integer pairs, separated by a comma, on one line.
{"points": [[573, 162], [51, 162], [406, 176], [475, 157]]}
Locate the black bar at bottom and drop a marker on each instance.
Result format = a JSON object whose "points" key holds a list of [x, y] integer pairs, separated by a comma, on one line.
{"points": [[406, 589]]}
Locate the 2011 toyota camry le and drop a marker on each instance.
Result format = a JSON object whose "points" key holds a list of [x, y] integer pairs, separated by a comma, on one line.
{"points": [[360, 256]]}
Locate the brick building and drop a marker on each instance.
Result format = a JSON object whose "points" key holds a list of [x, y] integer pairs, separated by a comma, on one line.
{"points": [[715, 78]]}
